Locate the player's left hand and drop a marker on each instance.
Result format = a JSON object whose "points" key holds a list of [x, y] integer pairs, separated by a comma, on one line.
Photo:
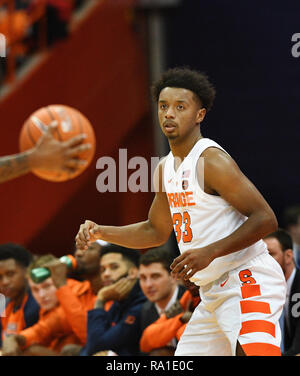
{"points": [[190, 262]]}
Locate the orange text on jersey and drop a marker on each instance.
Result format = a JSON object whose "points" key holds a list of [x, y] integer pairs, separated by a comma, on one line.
{"points": [[181, 199]]}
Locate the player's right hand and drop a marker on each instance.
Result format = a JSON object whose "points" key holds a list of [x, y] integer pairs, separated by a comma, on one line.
{"points": [[88, 233], [51, 154]]}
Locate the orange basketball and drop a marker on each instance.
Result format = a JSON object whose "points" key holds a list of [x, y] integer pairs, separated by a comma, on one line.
{"points": [[71, 122]]}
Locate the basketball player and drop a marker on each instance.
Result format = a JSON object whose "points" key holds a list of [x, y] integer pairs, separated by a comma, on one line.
{"points": [[219, 219], [48, 154]]}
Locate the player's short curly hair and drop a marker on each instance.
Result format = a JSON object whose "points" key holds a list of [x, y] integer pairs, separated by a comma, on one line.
{"points": [[185, 78]]}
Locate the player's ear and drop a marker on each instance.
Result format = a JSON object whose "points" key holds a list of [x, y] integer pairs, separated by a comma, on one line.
{"points": [[200, 115]]}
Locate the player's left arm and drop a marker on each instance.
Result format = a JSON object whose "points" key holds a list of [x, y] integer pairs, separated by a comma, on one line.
{"points": [[223, 177]]}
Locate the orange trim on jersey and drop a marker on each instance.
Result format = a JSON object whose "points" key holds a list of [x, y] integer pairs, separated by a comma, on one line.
{"points": [[181, 199], [261, 349], [190, 198], [248, 306], [258, 326], [250, 290]]}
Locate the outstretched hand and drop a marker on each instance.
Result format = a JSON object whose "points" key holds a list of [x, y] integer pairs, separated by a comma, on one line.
{"points": [[51, 154]]}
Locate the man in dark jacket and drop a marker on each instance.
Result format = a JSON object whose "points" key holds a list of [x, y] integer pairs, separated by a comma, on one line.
{"points": [[280, 246], [114, 324]]}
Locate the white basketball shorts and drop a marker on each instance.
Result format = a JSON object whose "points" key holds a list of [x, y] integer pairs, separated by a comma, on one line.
{"points": [[244, 305]]}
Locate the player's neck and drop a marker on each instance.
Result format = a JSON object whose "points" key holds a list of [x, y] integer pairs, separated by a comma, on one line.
{"points": [[181, 148]]}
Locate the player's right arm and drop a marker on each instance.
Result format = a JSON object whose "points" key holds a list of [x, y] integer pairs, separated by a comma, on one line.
{"points": [[147, 234], [48, 154]]}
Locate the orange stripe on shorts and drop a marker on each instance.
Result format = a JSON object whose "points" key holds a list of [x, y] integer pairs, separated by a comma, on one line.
{"points": [[258, 326], [261, 349], [248, 306], [250, 290]]}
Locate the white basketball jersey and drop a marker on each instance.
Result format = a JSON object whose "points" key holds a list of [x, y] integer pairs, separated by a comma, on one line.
{"points": [[199, 218]]}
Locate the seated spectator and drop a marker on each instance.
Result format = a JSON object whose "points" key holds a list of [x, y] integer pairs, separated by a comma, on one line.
{"points": [[116, 330], [157, 337], [291, 220], [87, 269], [160, 288], [88, 266], [280, 246], [76, 298], [21, 309], [63, 317]]}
